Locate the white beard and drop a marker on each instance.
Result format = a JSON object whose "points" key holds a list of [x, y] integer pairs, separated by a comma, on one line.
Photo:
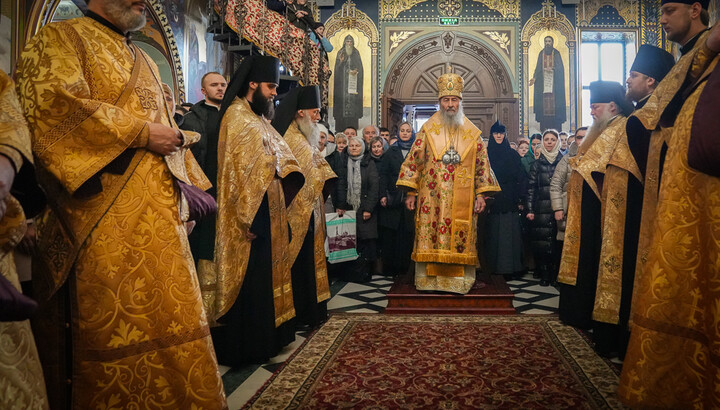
{"points": [[453, 120], [310, 130], [348, 50]]}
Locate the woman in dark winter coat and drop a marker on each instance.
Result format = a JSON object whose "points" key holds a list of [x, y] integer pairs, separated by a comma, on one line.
{"points": [[362, 196], [504, 242], [339, 167], [377, 153], [397, 223], [543, 230]]}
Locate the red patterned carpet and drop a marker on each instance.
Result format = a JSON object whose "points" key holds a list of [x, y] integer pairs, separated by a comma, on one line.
{"points": [[442, 362]]}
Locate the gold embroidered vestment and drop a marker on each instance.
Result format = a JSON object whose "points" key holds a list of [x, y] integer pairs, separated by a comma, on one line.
{"points": [[445, 223], [139, 332], [673, 359], [253, 160], [309, 200], [21, 377]]}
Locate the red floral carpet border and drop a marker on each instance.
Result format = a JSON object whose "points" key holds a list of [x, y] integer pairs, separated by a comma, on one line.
{"points": [[442, 362]]}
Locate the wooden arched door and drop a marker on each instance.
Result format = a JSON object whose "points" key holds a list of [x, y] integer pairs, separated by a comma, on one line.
{"points": [[488, 93]]}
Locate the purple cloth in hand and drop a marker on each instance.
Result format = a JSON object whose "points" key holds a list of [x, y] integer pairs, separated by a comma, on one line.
{"points": [[14, 306], [200, 203]]}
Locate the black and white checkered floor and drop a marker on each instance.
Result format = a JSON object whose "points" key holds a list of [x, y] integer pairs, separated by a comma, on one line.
{"points": [[241, 383]]}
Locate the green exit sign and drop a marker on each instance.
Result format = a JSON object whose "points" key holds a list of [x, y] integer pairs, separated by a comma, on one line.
{"points": [[449, 21]]}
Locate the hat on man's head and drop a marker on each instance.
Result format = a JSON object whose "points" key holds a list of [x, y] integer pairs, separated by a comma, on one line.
{"points": [[265, 69], [703, 3], [653, 62], [257, 68], [602, 92], [299, 98], [450, 84], [497, 127]]}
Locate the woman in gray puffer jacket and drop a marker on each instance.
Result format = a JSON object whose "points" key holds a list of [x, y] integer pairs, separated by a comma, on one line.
{"points": [[559, 184]]}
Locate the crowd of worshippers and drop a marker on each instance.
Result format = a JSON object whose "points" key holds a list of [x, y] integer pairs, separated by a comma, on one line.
{"points": [[160, 250]]}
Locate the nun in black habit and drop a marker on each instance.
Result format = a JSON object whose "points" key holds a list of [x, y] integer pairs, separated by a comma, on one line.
{"points": [[503, 233]]}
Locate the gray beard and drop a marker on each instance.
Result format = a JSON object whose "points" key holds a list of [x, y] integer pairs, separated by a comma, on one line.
{"points": [[123, 17], [348, 50], [453, 120], [595, 130], [310, 130]]}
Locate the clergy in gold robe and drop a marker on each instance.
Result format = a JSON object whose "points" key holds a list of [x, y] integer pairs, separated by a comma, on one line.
{"points": [[22, 384], [296, 118], [447, 174], [114, 272], [621, 188], [247, 288], [672, 359], [590, 258]]}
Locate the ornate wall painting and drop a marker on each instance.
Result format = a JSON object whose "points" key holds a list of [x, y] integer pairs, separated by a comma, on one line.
{"points": [[9, 29], [548, 39], [156, 38], [201, 54], [589, 12], [352, 97]]}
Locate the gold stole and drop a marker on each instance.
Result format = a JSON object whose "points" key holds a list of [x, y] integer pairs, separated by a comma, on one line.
{"points": [[571, 248], [322, 283], [614, 208], [280, 237], [142, 97], [309, 200]]}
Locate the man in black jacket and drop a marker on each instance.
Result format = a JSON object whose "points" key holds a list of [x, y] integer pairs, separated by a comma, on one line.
{"points": [[203, 117]]}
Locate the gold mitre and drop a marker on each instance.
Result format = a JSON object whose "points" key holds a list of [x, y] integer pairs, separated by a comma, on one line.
{"points": [[450, 84]]}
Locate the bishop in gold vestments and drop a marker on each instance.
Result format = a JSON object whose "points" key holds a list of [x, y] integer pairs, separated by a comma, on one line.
{"points": [[448, 171], [673, 356], [247, 289], [113, 245], [296, 119], [21, 377]]}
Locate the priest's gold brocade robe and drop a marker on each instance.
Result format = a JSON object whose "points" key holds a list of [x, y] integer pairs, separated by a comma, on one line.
{"points": [[606, 167], [673, 360], [113, 232], [309, 201], [253, 160], [446, 226], [21, 378]]}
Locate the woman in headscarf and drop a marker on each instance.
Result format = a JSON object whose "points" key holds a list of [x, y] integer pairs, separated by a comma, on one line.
{"points": [[397, 224], [504, 245], [543, 229], [362, 196], [529, 158]]}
